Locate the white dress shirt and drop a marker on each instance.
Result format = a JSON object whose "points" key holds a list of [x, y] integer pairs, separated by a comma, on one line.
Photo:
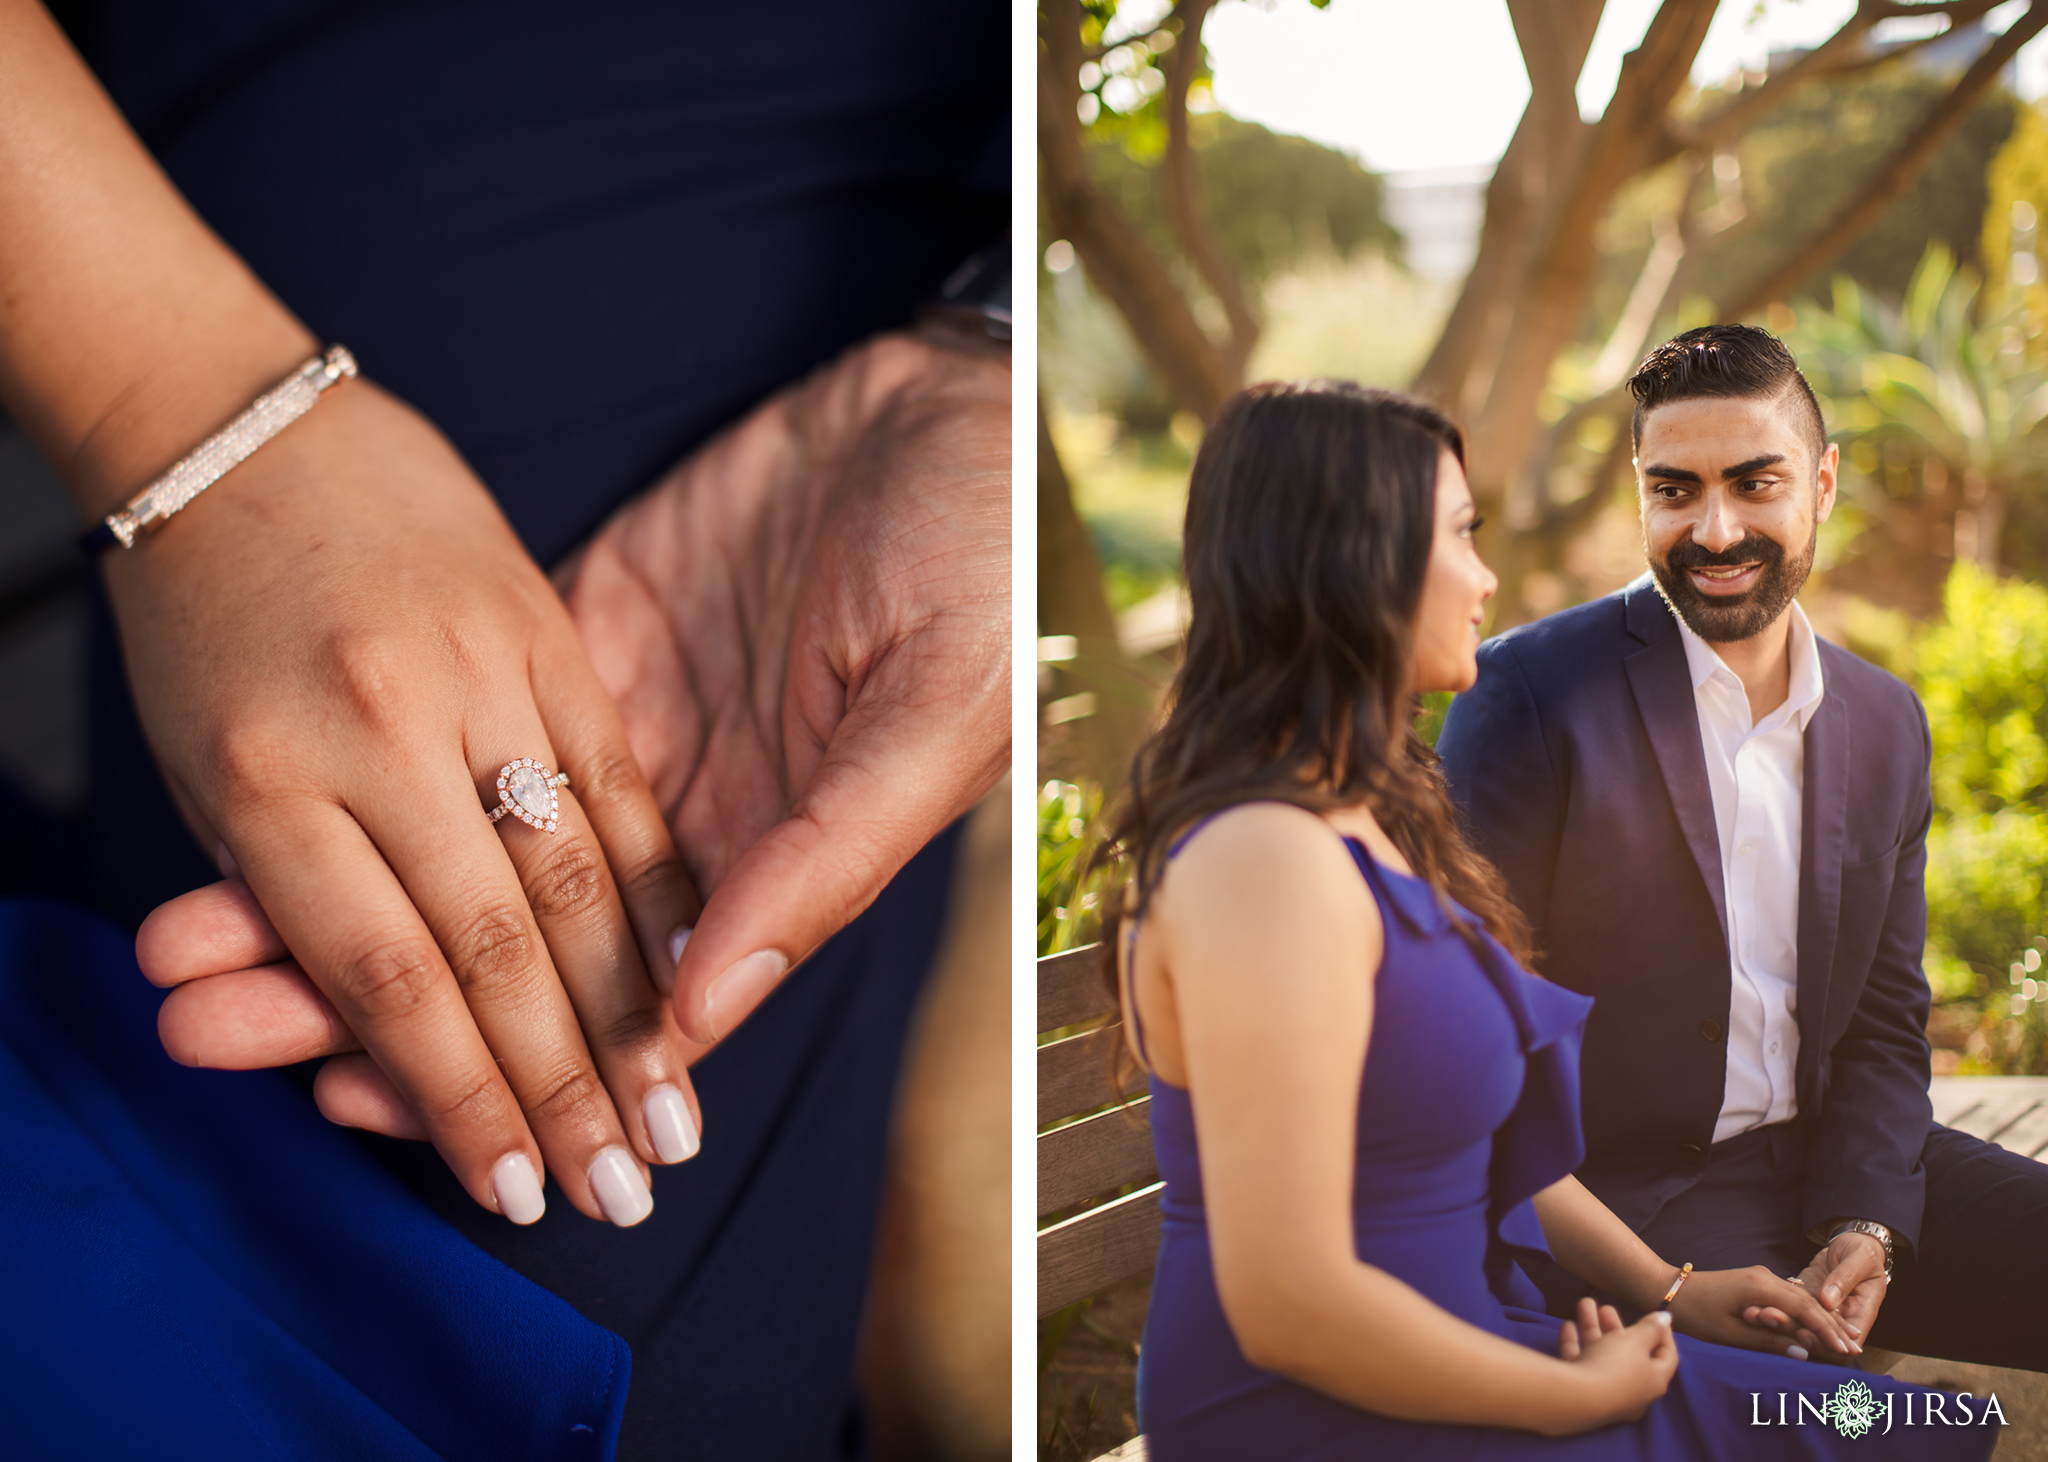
{"points": [[1755, 771]]}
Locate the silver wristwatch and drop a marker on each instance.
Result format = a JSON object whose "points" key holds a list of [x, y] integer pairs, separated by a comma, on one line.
{"points": [[1866, 1226]]}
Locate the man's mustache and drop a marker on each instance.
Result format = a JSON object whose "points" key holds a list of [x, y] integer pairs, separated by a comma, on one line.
{"points": [[1754, 548]]}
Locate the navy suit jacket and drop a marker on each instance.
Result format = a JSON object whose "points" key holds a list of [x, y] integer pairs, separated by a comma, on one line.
{"points": [[1577, 767]]}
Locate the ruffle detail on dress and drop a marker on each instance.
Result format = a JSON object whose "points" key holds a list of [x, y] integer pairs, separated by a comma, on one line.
{"points": [[1541, 1140]]}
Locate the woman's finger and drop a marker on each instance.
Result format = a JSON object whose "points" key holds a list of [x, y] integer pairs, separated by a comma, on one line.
{"points": [[1610, 1319], [654, 886], [627, 1022], [1567, 1340], [360, 939], [353, 1091], [1803, 1310], [208, 931], [430, 824], [248, 1020]]}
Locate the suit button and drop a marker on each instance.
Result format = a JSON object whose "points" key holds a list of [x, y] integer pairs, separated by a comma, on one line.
{"points": [[1691, 1152], [1710, 1030]]}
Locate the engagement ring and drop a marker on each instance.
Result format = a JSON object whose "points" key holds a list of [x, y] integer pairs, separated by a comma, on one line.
{"points": [[526, 790]]}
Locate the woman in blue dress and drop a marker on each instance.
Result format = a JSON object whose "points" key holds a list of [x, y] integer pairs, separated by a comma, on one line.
{"points": [[1365, 1109]]}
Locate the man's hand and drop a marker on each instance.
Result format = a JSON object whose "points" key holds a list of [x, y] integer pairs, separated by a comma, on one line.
{"points": [[1848, 1277], [1755, 1309], [806, 629]]}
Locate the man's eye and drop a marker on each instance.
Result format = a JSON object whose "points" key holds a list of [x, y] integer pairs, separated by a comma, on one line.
{"points": [[1667, 490]]}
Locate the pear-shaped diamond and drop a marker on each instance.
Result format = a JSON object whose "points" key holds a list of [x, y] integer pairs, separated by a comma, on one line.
{"points": [[529, 788]]}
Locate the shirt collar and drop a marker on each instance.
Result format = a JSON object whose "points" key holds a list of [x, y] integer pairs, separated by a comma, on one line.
{"points": [[1802, 696]]}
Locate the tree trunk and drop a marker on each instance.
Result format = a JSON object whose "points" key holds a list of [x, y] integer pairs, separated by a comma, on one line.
{"points": [[1559, 281], [1071, 602], [1555, 38]]}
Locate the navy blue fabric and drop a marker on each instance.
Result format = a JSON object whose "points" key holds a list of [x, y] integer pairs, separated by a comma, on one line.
{"points": [[1577, 767], [579, 238], [200, 1266]]}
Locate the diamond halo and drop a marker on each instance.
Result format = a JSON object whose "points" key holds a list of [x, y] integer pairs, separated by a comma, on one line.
{"points": [[527, 791]]}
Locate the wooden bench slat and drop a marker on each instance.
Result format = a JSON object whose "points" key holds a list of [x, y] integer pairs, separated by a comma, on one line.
{"points": [[1070, 988], [1094, 1156], [1074, 1074], [1089, 1253]]}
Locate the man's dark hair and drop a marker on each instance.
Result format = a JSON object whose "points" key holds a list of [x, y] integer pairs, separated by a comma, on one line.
{"points": [[1739, 361]]}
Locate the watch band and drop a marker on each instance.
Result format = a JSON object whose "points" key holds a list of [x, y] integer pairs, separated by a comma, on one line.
{"points": [[977, 294], [1869, 1226]]}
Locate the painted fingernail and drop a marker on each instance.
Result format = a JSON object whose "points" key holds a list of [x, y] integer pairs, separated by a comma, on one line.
{"points": [[1797, 1352], [669, 1124], [620, 1193], [678, 941], [743, 986], [517, 1186], [1662, 1317]]}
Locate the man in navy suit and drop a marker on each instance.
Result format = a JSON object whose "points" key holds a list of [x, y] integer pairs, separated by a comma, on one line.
{"points": [[1716, 823]]}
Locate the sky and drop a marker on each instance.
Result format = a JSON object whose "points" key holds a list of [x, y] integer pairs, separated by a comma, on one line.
{"points": [[1426, 84]]}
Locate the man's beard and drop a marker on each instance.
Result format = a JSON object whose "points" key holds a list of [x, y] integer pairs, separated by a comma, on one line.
{"points": [[1719, 618]]}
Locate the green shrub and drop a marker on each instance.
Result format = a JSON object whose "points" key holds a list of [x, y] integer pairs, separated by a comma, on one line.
{"points": [[1983, 676], [1069, 897]]}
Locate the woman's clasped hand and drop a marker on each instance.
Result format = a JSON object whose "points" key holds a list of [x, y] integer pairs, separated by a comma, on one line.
{"points": [[805, 628], [333, 654]]}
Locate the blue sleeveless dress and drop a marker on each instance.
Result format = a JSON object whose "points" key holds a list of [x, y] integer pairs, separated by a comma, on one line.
{"points": [[1468, 1107]]}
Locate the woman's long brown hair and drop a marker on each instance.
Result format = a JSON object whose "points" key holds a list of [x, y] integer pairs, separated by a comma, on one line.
{"points": [[1311, 515]]}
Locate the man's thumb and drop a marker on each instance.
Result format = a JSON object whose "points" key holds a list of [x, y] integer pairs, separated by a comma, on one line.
{"points": [[865, 813]]}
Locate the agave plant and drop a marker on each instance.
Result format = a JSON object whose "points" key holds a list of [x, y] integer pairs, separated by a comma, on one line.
{"points": [[1949, 369]]}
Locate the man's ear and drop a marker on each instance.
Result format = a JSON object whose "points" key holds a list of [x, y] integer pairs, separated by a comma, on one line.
{"points": [[1824, 500]]}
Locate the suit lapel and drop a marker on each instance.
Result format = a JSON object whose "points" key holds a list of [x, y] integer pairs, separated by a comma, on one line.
{"points": [[1823, 821], [1662, 683]]}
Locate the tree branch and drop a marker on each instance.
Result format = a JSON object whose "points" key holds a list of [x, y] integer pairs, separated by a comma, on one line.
{"points": [[1181, 190], [1838, 54], [1559, 280], [1896, 174], [1120, 262], [1554, 39]]}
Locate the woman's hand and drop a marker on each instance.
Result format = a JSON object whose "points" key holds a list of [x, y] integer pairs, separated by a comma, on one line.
{"points": [[814, 608], [1618, 1370], [333, 652], [1754, 1309]]}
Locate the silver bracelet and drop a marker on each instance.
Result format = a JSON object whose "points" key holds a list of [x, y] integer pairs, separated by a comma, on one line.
{"points": [[211, 460]]}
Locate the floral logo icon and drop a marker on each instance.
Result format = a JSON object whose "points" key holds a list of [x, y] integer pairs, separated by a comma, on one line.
{"points": [[1852, 1410]]}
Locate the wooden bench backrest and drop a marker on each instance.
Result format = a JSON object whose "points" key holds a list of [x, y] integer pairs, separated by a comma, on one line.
{"points": [[1112, 1237]]}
